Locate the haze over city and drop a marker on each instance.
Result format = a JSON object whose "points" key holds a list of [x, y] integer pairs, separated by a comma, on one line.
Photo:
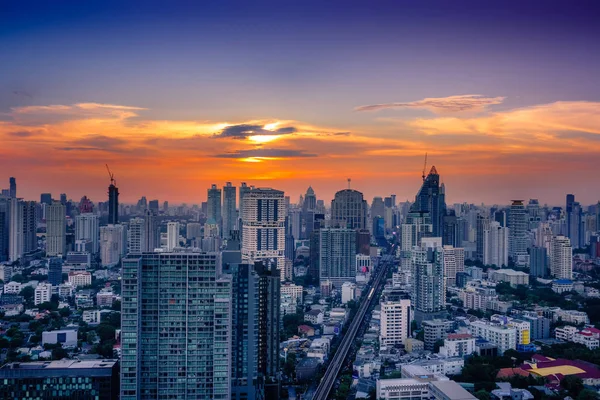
{"points": [[504, 99]]}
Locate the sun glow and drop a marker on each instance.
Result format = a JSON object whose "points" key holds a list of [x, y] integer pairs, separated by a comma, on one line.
{"points": [[263, 138]]}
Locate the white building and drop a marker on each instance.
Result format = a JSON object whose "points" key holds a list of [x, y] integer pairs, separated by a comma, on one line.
{"points": [[13, 287], [495, 245], [562, 285], [91, 316], [172, 235], [65, 290], [502, 336], [68, 338], [453, 259], [113, 244], [348, 292], [337, 257], [458, 345], [263, 220], [80, 278], [42, 293], [565, 333], [315, 317], [293, 290], [87, 227], [587, 339], [5, 273], [561, 258], [105, 297], [136, 235], [509, 275], [395, 322]]}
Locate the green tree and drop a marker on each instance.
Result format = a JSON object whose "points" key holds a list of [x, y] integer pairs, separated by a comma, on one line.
{"points": [[436, 346], [58, 353], [482, 395], [116, 305], [27, 292], [17, 278], [64, 312], [106, 332], [572, 384], [587, 394]]}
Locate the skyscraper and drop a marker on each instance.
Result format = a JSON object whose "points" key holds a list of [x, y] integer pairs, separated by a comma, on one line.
{"points": [[453, 259], [244, 188], [349, 209], [56, 226], [538, 262], [417, 226], [575, 225], [113, 244], [87, 227], [151, 232], [15, 240], [229, 210], [431, 198], [263, 220], [12, 191], [4, 227], [172, 235], [495, 245], [55, 271], [113, 204], [561, 258], [46, 198], [429, 283], [483, 224], [214, 206], [517, 225], [29, 226], [176, 327], [337, 256], [136, 236]]}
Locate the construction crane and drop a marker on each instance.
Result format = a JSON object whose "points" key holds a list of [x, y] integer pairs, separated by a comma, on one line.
{"points": [[112, 176], [424, 168]]}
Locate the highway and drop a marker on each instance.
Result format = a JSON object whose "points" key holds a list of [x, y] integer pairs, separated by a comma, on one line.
{"points": [[338, 359]]}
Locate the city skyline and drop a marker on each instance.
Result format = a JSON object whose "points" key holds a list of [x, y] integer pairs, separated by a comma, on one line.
{"points": [[291, 96]]}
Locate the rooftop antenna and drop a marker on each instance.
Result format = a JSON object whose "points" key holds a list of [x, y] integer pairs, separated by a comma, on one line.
{"points": [[424, 168], [112, 176], [349, 180]]}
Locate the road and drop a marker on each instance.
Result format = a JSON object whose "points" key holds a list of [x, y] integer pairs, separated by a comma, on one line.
{"points": [[337, 362]]}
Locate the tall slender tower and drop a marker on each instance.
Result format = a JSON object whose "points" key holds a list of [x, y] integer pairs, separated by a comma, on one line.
{"points": [[13, 188], [56, 229], [517, 225], [113, 200], [87, 227], [229, 210], [431, 198], [214, 206], [151, 232]]}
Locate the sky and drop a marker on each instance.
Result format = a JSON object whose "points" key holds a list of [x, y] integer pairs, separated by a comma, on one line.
{"points": [[503, 96]]}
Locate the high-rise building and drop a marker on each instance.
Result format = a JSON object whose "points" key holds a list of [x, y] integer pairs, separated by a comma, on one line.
{"points": [[85, 205], [56, 226], [395, 322], [15, 240], [349, 209], [538, 262], [113, 204], [214, 206], [229, 210], [30, 218], [176, 327], [153, 206], [575, 225], [136, 236], [46, 198], [534, 214], [483, 224], [431, 198], [377, 207], [495, 245], [63, 199], [561, 258], [87, 227], [244, 188], [12, 191], [453, 259], [263, 220], [55, 271], [517, 235], [4, 227], [429, 287], [568, 212], [193, 230], [337, 255], [113, 244], [451, 232], [172, 235], [151, 232], [416, 227]]}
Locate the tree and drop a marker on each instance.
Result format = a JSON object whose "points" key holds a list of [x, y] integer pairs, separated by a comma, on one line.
{"points": [[572, 384], [64, 312], [105, 332], [58, 353], [17, 278], [116, 305], [482, 395], [436, 346], [587, 394], [27, 292]]}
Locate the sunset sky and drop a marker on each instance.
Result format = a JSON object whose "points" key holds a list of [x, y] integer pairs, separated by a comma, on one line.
{"points": [[504, 99]]}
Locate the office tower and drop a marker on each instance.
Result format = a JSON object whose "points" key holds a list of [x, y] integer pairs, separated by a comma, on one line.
{"points": [[429, 287], [176, 327], [417, 226], [56, 229], [495, 245], [113, 244], [172, 235], [113, 203], [4, 227], [15, 240], [517, 235], [30, 218], [598, 217], [85, 205], [214, 206], [483, 224], [431, 199], [377, 207], [337, 256], [55, 271], [575, 225], [310, 200], [561, 258], [229, 210], [142, 204], [193, 230], [534, 214], [395, 321], [165, 206], [153, 206], [309, 209], [451, 233], [244, 188], [136, 236], [151, 232], [568, 212], [263, 220], [349, 209], [453, 259], [46, 198], [12, 191], [501, 217], [63, 199], [87, 227], [538, 262]]}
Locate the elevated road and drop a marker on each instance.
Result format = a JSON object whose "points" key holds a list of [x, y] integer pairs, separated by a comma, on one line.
{"points": [[337, 362]]}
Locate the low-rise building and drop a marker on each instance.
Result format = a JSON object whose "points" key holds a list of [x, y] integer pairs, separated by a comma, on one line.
{"points": [[42, 293], [458, 345], [412, 345], [562, 285], [348, 292], [105, 298], [293, 290], [12, 287], [80, 278], [501, 335], [315, 317], [509, 275], [68, 338]]}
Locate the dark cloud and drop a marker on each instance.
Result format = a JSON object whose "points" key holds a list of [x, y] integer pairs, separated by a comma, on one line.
{"points": [[79, 148], [21, 134], [242, 131], [97, 143], [283, 153]]}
